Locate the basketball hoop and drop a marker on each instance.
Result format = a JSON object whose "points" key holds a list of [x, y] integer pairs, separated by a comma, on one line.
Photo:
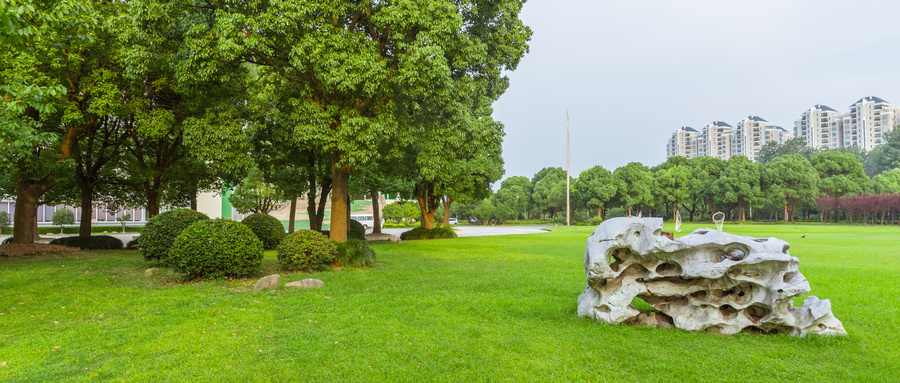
{"points": [[719, 220]]}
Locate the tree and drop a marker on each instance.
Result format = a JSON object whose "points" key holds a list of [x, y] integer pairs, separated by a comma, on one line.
{"points": [[672, 182], [393, 211], [594, 189], [409, 57], [46, 50], [789, 179], [705, 170], [739, 184], [840, 174], [255, 195], [515, 192], [634, 183], [546, 186], [887, 156], [63, 217], [794, 145], [887, 182]]}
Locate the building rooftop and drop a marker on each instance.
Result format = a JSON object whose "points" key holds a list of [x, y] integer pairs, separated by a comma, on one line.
{"points": [[823, 107], [870, 99], [689, 129], [719, 123], [756, 118]]}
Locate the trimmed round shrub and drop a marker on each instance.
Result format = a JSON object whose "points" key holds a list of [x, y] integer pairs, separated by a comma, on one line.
{"points": [[94, 242], [357, 231], [354, 253], [423, 233], [267, 228], [216, 248], [160, 232], [306, 250]]}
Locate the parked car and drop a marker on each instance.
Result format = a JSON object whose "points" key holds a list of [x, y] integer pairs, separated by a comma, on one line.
{"points": [[367, 220], [453, 221]]}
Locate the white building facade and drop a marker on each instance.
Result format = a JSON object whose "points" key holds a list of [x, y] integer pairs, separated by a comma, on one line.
{"points": [[684, 142], [870, 119], [821, 127]]}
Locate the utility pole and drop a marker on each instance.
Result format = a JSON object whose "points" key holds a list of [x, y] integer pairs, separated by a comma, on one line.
{"points": [[568, 166]]}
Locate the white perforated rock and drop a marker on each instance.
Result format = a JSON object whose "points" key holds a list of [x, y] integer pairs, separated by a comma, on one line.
{"points": [[705, 281]]}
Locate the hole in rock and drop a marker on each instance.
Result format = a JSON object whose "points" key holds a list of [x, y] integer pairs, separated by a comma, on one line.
{"points": [[657, 232], [756, 312], [822, 326], [785, 248], [760, 240], [701, 232], [788, 276], [604, 309], [615, 261], [713, 330], [728, 312], [740, 294], [757, 330], [642, 305], [734, 254], [668, 269], [699, 294], [780, 291]]}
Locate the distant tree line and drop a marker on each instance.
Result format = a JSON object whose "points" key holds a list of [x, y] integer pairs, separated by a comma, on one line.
{"points": [[792, 181]]}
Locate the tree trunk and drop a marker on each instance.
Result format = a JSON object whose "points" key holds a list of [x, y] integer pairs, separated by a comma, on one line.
{"points": [[25, 217], [428, 203], [323, 198], [293, 214], [87, 207], [152, 203], [785, 212], [793, 210], [194, 200], [340, 194], [376, 212], [447, 202]]}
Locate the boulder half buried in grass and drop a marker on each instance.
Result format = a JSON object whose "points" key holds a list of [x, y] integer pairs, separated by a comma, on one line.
{"points": [[705, 281]]}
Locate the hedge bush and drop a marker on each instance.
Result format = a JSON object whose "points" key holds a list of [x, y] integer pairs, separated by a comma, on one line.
{"points": [[357, 231], [306, 250], [160, 232], [94, 242], [354, 253], [423, 233], [267, 228], [216, 248]]}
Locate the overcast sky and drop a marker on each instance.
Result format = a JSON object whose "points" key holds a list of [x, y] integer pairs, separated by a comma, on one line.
{"points": [[631, 72]]}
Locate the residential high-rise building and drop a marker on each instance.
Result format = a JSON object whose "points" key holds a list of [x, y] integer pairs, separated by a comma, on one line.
{"points": [[683, 143], [869, 120], [821, 127], [752, 133], [715, 140]]}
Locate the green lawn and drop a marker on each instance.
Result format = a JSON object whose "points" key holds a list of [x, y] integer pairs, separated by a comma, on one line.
{"points": [[461, 310]]}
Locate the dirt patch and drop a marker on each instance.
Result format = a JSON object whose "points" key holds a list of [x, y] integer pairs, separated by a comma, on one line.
{"points": [[25, 250]]}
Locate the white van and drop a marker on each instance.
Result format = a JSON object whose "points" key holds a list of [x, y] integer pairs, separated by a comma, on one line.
{"points": [[367, 220]]}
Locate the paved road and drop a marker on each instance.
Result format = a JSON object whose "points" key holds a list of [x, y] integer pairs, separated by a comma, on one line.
{"points": [[481, 231]]}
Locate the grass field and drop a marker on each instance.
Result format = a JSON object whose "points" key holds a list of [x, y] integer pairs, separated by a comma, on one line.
{"points": [[461, 310]]}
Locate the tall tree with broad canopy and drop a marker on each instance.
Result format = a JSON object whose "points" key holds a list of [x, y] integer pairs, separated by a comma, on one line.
{"points": [[790, 179], [594, 189], [49, 49], [634, 185], [347, 67], [705, 171], [672, 184], [739, 184], [546, 186], [840, 174], [515, 192]]}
